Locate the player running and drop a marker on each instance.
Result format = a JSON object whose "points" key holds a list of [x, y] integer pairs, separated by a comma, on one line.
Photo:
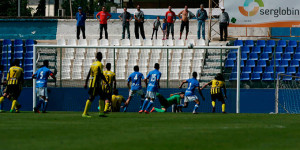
{"points": [[111, 78], [152, 88], [136, 86], [15, 80], [41, 76], [175, 99], [190, 92], [116, 101], [216, 93], [95, 76]]}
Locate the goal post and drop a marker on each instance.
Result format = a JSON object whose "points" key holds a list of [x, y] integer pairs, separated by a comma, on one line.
{"points": [[166, 49]]}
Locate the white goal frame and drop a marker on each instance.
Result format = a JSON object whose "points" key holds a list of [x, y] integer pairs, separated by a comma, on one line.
{"points": [[35, 47]]}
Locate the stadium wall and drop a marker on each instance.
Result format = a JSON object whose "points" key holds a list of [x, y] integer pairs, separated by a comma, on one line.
{"points": [[64, 99]]}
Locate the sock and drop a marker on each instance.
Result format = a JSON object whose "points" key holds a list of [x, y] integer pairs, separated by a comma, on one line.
{"points": [[149, 105], [38, 105], [223, 107], [14, 104], [87, 107], [45, 106], [101, 105], [106, 107], [144, 104], [125, 108], [159, 110], [213, 103], [1, 99], [195, 108]]}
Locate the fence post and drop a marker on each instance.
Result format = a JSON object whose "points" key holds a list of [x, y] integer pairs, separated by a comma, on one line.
{"points": [[60, 68], [167, 68], [221, 62], [114, 60]]}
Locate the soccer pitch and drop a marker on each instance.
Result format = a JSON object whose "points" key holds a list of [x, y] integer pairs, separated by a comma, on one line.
{"points": [[69, 131]]}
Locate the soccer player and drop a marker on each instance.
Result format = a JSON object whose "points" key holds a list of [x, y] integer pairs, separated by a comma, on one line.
{"points": [[95, 76], [116, 101], [166, 103], [216, 93], [2, 84], [111, 78], [15, 79], [190, 92], [136, 86], [152, 88], [41, 76]]}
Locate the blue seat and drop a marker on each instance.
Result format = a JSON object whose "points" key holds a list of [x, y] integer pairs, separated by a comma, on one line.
{"points": [[256, 49], [277, 56], [244, 56], [269, 69], [246, 70], [229, 63], [18, 42], [281, 43], [288, 77], [249, 43], [297, 50], [29, 49], [18, 49], [18, 56], [291, 70], [284, 63], [28, 62], [245, 49], [286, 57], [234, 69], [276, 63], [231, 56], [293, 43], [253, 56], [294, 63], [28, 55], [267, 50], [6, 42], [271, 43], [238, 43], [279, 50], [4, 62], [250, 63], [261, 43], [233, 50], [264, 56], [289, 50], [280, 70], [233, 77], [255, 76], [297, 75], [28, 68], [29, 42], [6, 55], [267, 77], [245, 77], [6, 68], [296, 57], [261, 63], [242, 64], [257, 70], [27, 75]]}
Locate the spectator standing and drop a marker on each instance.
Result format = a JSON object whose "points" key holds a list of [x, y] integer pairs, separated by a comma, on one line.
{"points": [[125, 18], [80, 17], [139, 22], [185, 16], [171, 18], [156, 25], [164, 28], [224, 22], [103, 16], [201, 16]]}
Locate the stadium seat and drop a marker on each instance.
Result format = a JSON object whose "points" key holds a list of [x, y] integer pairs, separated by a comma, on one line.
{"points": [[246, 70], [158, 42], [233, 50], [284, 63], [29, 42], [6, 42], [245, 49], [190, 41], [5, 62], [297, 50], [294, 63], [231, 56], [125, 42], [276, 56], [256, 49], [233, 77], [297, 77], [289, 50], [267, 50], [238, 43], [249, 43], [279, 50], [28, 62], [147, 42], [115, 42], [200, 42], [28, 55], [93, 42], [27, 75], [257, 70], [229, 63], [29, 49], [61, 42], [72, 42], [271, 43], [292, 43], [280, 70], [269, 69], [82, 42], [261, 43], [296, 57], [242, 64], [169, 42], [255, 76], [179, 43], [28, 68], [253, 56], [18, 42], [264, 56], [276, 63], [245, 77], [6, 55], [267, 77], [291, 70], [250, 63], [288, 77], [184, 76], [286, 57], [261, 63], [281, 43], [136, 42], [18, 55], [244, 56]]}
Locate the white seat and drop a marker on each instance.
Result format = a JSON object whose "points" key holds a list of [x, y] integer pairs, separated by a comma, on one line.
{"points": [[69, 56], [125, 42], [176, 55], [174, 76], [174, 69], [77, 62], [156, 51], [82, 42], [198, 56], [158, 43], [136, 42], [79, 56], [148, 42], [169, 42], [190, 41], [186, 63], [188, 51], [164, 55], [65, 75], [185, 69], [76, 75], [163, 76], [120, 75], [184, 76], [134, 51], [200, 42], [72, 42], [177, 51], [115, 42], [61, 42], [77, 68], [104, 42], [66, 61], [179, 43], [66, 68], [93, 42], [123, 56], [199, 50]]}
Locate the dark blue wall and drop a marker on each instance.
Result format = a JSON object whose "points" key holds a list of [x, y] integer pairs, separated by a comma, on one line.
{"points": [[283, 32], [73, 99]]}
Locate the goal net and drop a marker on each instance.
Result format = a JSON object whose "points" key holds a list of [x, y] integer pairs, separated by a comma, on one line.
{"points": [[287, 94]]}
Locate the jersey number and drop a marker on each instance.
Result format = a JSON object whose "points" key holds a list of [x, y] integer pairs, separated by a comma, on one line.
{"points": [[42, 75], [153, 77], [190, 85]]}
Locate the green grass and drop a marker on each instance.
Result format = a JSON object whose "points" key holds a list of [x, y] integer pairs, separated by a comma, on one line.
{"points": [[69, 131]]}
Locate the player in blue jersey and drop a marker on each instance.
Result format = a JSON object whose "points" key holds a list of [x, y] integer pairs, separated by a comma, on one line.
{"points": [[152, 88], [41, 76], [190, 92], [136, 86]]}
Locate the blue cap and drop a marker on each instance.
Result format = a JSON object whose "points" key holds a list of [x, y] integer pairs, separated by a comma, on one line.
{"points": [[79, 7]]}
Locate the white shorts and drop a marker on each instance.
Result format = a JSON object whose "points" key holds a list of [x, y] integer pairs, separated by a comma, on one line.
{"points": [[190, 98], [42, 91], [139, 92], [150, 94]]}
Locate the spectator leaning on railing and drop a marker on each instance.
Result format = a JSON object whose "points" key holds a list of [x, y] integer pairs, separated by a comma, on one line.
{"points": [[80, 17], [125, 18], [103, 16], [201, 16], [139, 22]]}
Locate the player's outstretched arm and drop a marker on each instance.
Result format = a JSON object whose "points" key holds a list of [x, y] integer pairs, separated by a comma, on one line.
{"points": [[225, 91], [145, 80], [204, 86], [87, 79], [201, 94], [128, 84], [182, 83]]}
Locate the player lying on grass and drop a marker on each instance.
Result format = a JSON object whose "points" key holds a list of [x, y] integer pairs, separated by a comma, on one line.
{"points": [[15, 79], [190, 92], [111, 78], [152, 88], [116, 101], [136, 86], [2, 81], [175, 99], [41, 76], [95, 76], [217, 85]]}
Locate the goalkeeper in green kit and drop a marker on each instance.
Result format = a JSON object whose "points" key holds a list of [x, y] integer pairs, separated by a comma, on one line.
{"points": [[165, 103]]}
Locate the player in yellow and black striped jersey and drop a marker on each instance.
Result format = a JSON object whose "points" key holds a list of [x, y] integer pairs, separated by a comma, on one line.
{"points": [[111, 78], [95, 76], [116, 101], [15, 79], [216, 91]]}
